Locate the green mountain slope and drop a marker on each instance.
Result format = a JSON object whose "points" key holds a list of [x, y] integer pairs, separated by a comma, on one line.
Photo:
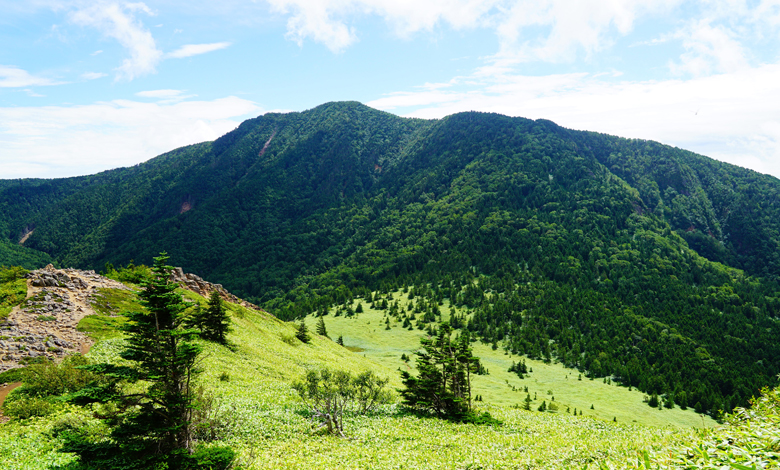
{"points": [[257, 413], [622, 258]]}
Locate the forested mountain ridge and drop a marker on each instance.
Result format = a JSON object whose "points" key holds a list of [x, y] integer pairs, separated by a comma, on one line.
{"points": [[582, 247]]}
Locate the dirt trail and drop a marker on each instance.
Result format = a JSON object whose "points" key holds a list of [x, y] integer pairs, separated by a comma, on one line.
{"points": [[45, 325]]}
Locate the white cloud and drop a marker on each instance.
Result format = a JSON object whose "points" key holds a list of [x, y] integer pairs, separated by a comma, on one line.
{"points": [[190, 50], [118, 22], [57, 141], [93, 75], [14, 77], [326, 21], [732, 116], [567, 26], [159, 94], [33, 94], [709, 48]]}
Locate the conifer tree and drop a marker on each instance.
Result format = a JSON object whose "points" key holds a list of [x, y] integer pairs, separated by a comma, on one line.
{"points": [[154, 427], [216, 322], [303, 333], [321, 330], [443, 382]]}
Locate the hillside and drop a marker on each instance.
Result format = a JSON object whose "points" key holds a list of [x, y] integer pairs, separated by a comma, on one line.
{"points": [[621, 258], [259, 414]]}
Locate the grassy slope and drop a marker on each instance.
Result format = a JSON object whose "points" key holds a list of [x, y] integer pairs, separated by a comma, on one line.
{"points": [[367, 332], [268, 426]]}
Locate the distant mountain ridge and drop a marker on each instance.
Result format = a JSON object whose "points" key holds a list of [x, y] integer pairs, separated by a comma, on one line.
{"points": [[599, 251]]}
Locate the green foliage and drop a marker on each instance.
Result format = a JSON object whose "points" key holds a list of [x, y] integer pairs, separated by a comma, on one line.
{"points": [[213, 322], [13, 289], [748, 440], [52, 379], [330, 394], [154, 427], [302, 332], [14, 254], [443, 382], [43, 383], [11, 274], [129, 274], [321, 330], [17, 407]]}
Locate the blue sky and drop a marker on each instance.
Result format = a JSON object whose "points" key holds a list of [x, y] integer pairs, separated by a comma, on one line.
{"points": [[92, 85]]}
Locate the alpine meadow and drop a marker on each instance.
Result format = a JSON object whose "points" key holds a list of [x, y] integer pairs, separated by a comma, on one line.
{"points": [[372, 291]]}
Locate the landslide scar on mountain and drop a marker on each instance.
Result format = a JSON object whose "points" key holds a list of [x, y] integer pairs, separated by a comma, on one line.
{"points": [[267, 143], [26, 235]]}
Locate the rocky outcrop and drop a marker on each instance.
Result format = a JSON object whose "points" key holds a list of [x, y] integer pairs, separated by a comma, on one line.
{"points": [[199, 286], [45, 323], [57, 299]]}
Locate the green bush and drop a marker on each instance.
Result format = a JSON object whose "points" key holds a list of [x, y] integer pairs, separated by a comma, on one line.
{"points": [[17, 406], [49, 379], [211, 458]]}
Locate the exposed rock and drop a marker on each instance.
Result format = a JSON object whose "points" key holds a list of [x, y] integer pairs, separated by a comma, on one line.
{"points": [[57, 299], [196, 284], [45, 324]]}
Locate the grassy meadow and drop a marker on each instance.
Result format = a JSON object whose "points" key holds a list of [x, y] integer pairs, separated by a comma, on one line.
{"points": [[261, 417], [366, 334]]}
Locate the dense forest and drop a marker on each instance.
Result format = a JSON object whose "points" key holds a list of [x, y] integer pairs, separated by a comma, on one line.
{"points": [[624, 258]]}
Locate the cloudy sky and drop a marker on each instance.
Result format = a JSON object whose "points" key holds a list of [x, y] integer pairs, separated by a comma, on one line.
{"points": [[91, 85]]}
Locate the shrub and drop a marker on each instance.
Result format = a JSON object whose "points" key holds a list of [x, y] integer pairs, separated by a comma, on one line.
{"points": [[210, 458], [329, 394], [50, 379], [18, 406]]}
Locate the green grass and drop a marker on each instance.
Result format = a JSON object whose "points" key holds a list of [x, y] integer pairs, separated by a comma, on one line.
{"points": [[109, 301], [12, 294], [367, 333], [110, 305], [265, 420]]}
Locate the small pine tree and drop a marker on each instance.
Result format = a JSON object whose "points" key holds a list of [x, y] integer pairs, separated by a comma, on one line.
{"points": [[543, 406], [303, 333], [653, 401], [359, 308], [321, 328], [216, 324], [591, 407], [340, 341]]}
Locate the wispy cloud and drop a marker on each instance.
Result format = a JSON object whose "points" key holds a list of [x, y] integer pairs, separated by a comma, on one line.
{"points": [[159, 94], [568, 27], [33, 93], [119, 22], [14, 77], [190, 50], [49, 141], [93, 75]]}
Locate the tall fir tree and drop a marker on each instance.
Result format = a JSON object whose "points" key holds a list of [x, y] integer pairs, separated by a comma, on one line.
{"points": [[154, 428]]}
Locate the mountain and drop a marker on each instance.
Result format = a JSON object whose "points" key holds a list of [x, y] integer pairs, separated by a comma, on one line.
{"points": [[623, 258]]}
